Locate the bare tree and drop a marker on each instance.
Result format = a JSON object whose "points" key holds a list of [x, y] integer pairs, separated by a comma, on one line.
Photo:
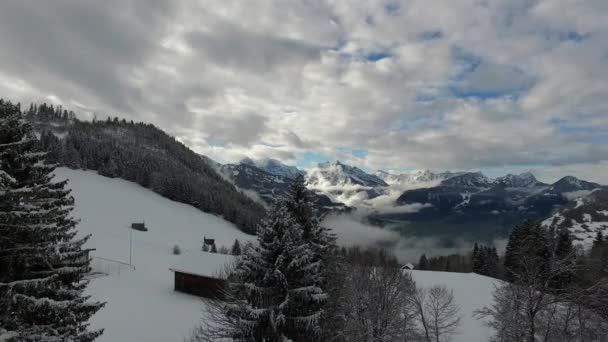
{"points": [[542, 303], [438, 314], [377, 305]]}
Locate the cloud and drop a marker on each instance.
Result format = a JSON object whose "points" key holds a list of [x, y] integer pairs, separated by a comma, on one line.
{"points": [[439, 85], [352, 231]]}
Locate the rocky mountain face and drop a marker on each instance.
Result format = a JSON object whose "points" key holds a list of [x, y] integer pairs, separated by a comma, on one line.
{"points": [[274, 167], [504, 201], [337, 174], [415, 178], [271, 188]]}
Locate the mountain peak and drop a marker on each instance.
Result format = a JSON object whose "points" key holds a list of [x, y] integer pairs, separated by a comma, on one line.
{"points": [[273, 167], [337, 173], [523, 180], [470, 179]]}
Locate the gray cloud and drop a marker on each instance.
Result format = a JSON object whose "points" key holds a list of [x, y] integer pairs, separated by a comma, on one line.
{"points": [[278, 80]]}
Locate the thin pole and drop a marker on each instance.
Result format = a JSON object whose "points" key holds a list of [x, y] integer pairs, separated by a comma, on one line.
{"points": [[131, 246]]}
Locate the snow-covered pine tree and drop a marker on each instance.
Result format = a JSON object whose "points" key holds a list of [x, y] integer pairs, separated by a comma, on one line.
{"points": [[275, 282], [42, 264], [324, 252]]}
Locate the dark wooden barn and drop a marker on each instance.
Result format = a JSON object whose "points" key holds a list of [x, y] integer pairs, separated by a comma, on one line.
{"points": [[201, 274], [139, 226]]}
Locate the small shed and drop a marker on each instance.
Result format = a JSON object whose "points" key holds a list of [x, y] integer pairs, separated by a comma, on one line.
{"points": [[202, 274], [139, 226]]}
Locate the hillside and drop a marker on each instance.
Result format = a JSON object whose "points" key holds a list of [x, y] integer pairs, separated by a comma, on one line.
{"points": [[142, 305], [146, 155]]}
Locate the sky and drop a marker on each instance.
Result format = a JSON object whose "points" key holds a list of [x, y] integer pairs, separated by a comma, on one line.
{"points": [[493, 85]]}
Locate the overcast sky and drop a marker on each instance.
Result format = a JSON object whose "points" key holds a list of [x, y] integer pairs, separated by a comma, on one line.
{"points": [[500, 86]]}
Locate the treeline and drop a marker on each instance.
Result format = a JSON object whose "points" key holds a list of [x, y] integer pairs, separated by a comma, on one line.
{"points": [[143, 154], [483, 259], [553, 291]]}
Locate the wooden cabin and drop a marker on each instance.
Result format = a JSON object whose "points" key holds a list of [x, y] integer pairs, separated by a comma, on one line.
{"points": [[202, 274], [139, 226]]}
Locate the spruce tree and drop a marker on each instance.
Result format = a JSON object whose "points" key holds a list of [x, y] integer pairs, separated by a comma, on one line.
{"points": [[528, 244], [477, 259], [42, 264], [564, 253], [423, 263], [275, 284], [236, 248], [322, 243]]}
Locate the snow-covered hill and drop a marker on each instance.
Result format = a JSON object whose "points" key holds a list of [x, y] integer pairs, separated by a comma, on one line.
{"points": [[471, 292], [142, 305]]}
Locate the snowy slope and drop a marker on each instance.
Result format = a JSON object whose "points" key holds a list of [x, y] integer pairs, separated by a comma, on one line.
{"points": [[142, 305], [471, 291]]}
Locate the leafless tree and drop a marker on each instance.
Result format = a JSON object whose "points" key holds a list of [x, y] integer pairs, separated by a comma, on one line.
{"points": [[378, 306], [438, 314]]}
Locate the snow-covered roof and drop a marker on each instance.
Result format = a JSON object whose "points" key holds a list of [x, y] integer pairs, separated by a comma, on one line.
{"points": [[408, 266], [204, 264]]}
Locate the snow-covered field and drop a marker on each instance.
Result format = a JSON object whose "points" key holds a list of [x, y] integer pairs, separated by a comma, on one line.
{"points": [[141, 304], [471, 292]]}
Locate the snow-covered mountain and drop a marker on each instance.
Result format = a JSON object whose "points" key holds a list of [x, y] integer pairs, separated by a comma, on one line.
{"points": [[570, 184], [583, 217], [415, 178], [469, 180], [337, 174], [499, 203], [524, 180], [274, 167], [271, 188]]}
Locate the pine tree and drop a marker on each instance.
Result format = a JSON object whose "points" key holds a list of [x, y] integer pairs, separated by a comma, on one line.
{"points": [[423, 263], [42, 265], [564, 253], [236, 248], [275, 284], [477, 259], [528, 243], [213, 248], [325, 253]]}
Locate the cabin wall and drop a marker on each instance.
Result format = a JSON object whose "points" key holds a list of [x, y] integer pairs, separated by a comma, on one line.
{"points": [[199, 285]]}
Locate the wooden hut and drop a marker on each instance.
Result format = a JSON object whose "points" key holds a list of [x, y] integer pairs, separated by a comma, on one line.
{"points": [[202, 274], [139, 226]]}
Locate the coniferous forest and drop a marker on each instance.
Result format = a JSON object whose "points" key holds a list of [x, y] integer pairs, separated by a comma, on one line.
{"points": [[143, 154]]}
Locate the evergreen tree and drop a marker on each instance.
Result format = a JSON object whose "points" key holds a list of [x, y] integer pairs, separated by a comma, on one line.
{"points": [[528, 242], [477, 259], [42, 265], [322, 243], [275, 285], [236, 248], [423, 263], [564, 253], [213, 248]]}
